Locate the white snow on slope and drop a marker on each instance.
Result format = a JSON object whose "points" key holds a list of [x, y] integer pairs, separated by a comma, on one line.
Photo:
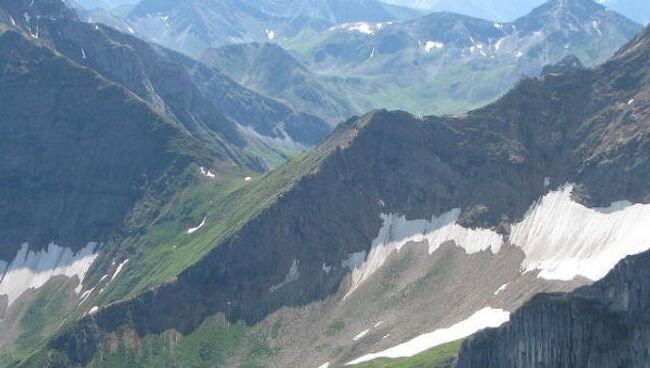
{"points": [[119, 269], [397, 231], [32, 270], [563, 239], [430, 45], [360, 335], [501, 288], [362, 27], [485, 318], [207, 173], [192, 230], [292, 276], [270, 34]]}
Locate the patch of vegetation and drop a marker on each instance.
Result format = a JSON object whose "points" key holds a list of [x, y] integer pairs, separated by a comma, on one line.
{"points": [[440, 357], [38, 321], [216, 343], [334, 328]]}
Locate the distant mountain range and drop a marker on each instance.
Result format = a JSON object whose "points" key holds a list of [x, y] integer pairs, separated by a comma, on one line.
{"points": [[495, 10], [508, 10], [192, 25], [448, 63]]}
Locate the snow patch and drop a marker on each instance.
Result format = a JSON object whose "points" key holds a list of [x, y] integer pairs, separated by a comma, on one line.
{"points": [[485, 318], [564, 239], [397, 231], [83, 54], [119, 269], [270, 34], [248, 178], [192, 230], [292, 276], [360, 335], [327, 269], [32, 270], [206, 173], [362, 27], [501, 288], [93, 310], [13, 22], [325, 365], [433, 45]]}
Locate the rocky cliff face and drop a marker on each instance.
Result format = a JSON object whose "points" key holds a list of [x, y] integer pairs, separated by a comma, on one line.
{"points": [[602, 325]]}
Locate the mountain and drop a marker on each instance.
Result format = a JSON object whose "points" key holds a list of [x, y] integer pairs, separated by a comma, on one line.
{"points": [[85, 162], [505, 10], [495, 10], [105, 4], [256, 131], [108, 144], [397, 234], [448, 63], [270, 70], [190, 26]]}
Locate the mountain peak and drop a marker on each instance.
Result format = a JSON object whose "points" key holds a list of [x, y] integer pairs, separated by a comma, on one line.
{"points": [[26, 10]]}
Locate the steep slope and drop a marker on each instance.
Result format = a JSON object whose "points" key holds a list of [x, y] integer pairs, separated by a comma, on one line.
{"points": [[601, 325], [253, 130], [191, 26], [86, 163], [447, 63], [271, 71], [398, 234]]}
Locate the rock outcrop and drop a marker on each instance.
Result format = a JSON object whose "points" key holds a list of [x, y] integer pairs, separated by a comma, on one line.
{"points": [[602, 325]]}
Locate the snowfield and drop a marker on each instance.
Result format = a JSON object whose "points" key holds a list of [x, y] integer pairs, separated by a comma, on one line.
{"points": [[397, 231], [33, 269], [563, 239], [485, 318]]}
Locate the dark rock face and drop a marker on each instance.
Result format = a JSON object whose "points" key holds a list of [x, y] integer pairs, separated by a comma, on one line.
{"points": [[566, 65], [602, 325], [78, 151]]}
